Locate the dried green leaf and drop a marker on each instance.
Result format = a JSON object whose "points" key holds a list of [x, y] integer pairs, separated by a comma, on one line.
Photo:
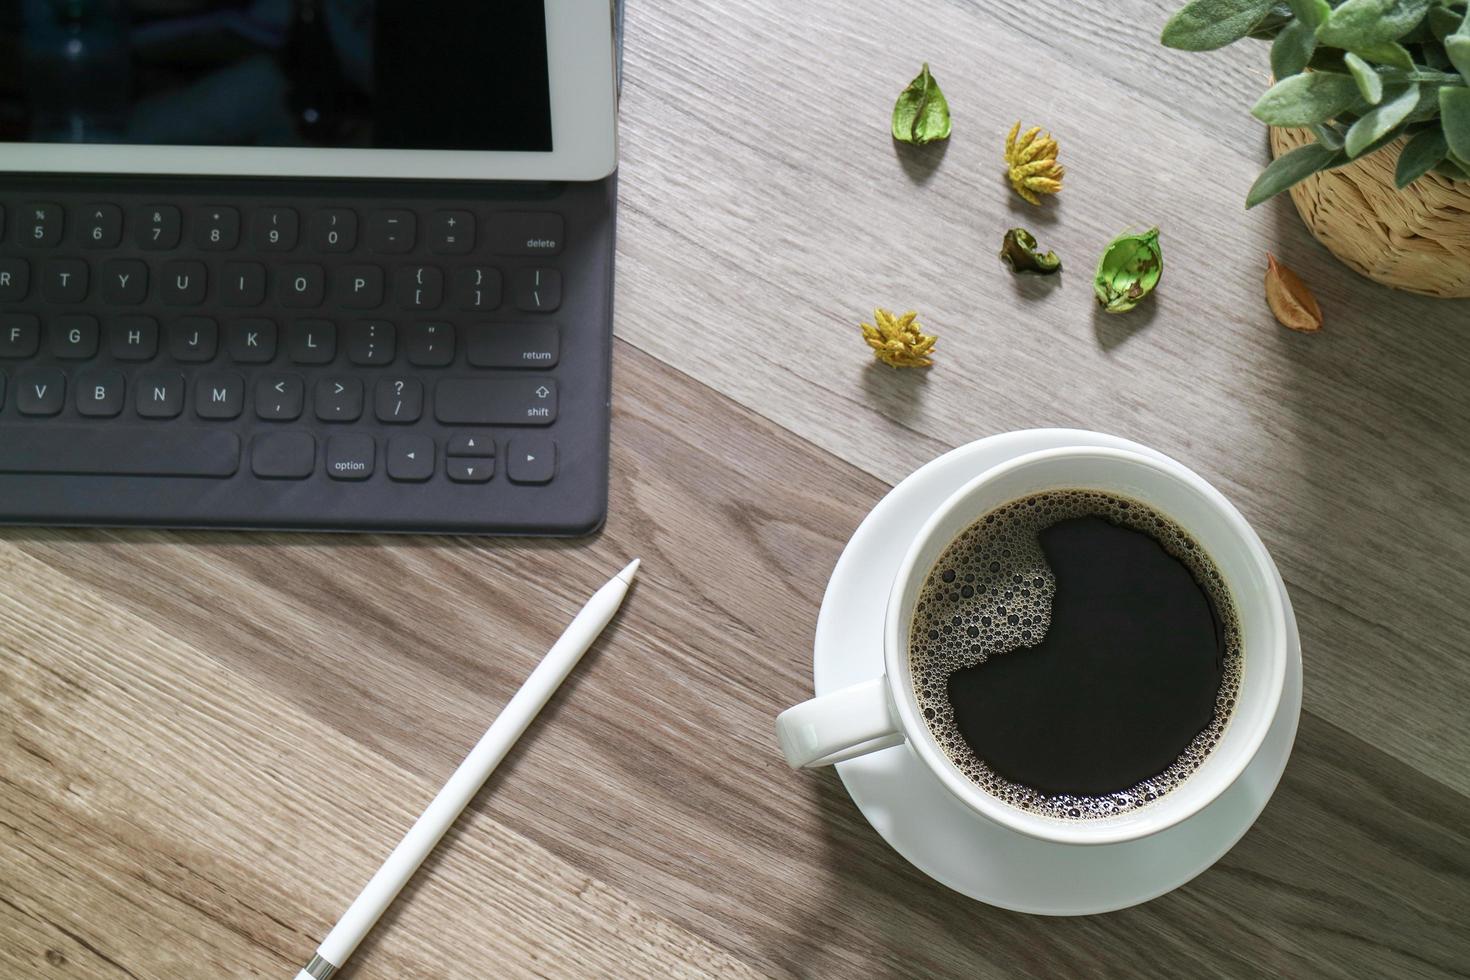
{"points": [[1375, 125], [1362, 22], [921, 114], [1311, 12], [1420, 155], [1289, 168], [1454, 115], [1292, 48], [1128, 271], [1019, 251], [1302, 100], [1204, 25], [1367, 80]]}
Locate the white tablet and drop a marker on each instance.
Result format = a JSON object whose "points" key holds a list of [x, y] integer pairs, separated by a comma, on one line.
{"points": [[459, 89]]}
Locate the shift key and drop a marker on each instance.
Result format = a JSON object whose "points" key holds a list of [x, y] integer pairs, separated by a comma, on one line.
{"points": [[495, 401]]}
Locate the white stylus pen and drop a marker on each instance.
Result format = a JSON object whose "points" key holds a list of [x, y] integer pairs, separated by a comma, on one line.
{"points": [[468, 778]]}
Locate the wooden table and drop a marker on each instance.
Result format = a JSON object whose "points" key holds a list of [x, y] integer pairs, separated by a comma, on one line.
{"points": [[210, 740]]}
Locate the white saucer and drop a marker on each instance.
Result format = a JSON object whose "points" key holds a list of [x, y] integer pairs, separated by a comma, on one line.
{"points": [[913, 811]]}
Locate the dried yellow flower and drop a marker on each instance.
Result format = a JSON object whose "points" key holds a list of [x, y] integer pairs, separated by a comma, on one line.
{"points": [[1032, 162], [898, 341]]}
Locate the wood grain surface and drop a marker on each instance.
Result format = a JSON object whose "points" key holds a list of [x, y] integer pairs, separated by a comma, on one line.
{"points": [[209, 741]]}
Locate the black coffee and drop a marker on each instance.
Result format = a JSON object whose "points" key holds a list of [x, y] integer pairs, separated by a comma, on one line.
{"points": [[1076, 653]]}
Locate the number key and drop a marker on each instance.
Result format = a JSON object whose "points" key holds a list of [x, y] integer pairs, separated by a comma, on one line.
{"points": [[217, 229], [101, 226], [40, 225], [275, 229], [158, 227], [334, 230]]}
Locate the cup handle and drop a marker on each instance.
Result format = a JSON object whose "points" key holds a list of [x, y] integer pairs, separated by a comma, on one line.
{"points": [[839, 726]]}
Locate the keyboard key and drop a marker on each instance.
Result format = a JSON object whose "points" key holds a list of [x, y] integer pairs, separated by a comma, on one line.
{"points": [[451, 232], [15, 280], [243, 284], [399, 400], [418, 287], [530, 459], [391, 232], [525, 233], [216, 228], [477, 288], [184, 283], [219, 395], [370, 342], [74, 336], [312, 341], [101, 226], [410, 458], [464, 469], [165, 450], [20, 334], [158, 227], [350, 457], [64, 281], [275, 229], [41, 225], [289, 455], [302, 286], [278, 397], [100, 393], [124, 282], [39, 391], [132, 338], [193, 339], [334, 230], [513, 345], [361, 287], [339, 399], [160, 394], [502, 401], [251, 341], [537, 290], [471, 444], [429, 344]]}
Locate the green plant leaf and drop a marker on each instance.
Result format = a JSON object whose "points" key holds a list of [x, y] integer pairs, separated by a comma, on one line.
{"points": [[1292, 49], [1366, 78], [1443, 21], [1388, 53], [1311, 12], [1289, 168], [1362, 22], [1375, 125], [1302, 100], [1328, 136], [1204, 25], [1454, 114], [1420, 155], [921, 114], [1457, 49]]}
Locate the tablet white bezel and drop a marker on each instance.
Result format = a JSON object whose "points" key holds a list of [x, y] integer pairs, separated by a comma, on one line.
{"points": [[583, 84]]}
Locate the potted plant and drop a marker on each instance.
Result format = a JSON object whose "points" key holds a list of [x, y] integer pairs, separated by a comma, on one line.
{"points": [[1370, 117]]}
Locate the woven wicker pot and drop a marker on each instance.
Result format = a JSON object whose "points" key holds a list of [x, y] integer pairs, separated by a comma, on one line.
{"points": [[1417, 239]]}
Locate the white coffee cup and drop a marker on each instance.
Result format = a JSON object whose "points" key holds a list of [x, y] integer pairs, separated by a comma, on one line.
{"points": [[884, 712]]}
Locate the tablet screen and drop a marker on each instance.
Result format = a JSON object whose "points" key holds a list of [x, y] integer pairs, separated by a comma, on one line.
{"points": [[390, 74]]}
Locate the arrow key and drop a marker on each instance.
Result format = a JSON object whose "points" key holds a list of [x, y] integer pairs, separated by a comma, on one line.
{"points": [[471, 444], [530, 460], [278, 397], [468, 469], [411, 458]]}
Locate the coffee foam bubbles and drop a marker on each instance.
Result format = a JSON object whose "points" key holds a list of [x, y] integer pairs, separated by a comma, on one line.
{"points": [[991, 592]]}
